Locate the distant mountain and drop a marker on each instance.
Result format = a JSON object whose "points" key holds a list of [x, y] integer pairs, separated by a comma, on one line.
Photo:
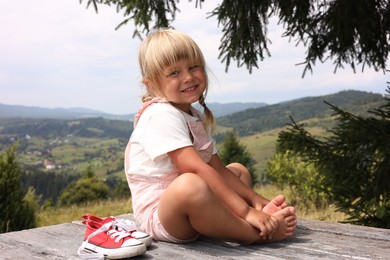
{"points": [[10, 111], [245, 118], [257, 120], [219, 109], [248, 122], [54, 113]]}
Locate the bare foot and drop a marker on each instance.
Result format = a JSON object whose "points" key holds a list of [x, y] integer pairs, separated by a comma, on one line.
{"points": [[276, 204], [287, 222]]}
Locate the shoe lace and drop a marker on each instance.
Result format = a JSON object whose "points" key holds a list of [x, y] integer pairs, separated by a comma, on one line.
{"points": [[111, 230], [127, 225]]}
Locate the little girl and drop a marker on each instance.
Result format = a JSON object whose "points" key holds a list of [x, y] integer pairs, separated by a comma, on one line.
{"points": [[180, 188]]}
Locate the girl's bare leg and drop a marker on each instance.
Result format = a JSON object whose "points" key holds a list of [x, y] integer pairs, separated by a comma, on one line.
{"points": [[188, 207], [277, 203], [241, 172]]}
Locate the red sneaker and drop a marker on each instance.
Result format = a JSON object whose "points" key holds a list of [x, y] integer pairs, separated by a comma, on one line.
{"points": [[124, 224], [107, 241]]}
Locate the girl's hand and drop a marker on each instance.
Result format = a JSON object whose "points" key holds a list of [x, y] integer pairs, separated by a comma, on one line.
{"points": [[258, 205], [267, 224]]}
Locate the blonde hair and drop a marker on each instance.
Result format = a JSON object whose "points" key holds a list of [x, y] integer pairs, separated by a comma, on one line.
{"points": [[163, 48]]}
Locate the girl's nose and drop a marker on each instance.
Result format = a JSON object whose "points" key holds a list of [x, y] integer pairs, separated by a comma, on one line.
{"points": [[188, 76]]}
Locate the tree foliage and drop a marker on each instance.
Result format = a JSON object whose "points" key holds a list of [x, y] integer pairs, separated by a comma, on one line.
{"points": [[304, 181], [31, 200], [232, 151], [119, 187], [16, 213], [48, 185], [52, 128], [86, 189], [348, 32], [355, 162]]}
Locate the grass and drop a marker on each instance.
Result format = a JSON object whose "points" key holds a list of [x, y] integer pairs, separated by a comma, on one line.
{"points": [[328, 214], [261, 146], [55, 215], [58, 215]]}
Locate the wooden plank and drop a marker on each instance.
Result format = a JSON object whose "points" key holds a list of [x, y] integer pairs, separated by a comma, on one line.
{"points": [[313, 240]]}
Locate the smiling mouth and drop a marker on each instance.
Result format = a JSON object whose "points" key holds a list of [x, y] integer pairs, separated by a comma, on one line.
{"points": [[190, 89]]}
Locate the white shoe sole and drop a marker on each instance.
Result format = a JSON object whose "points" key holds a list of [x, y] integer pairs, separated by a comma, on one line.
{"points": [[118, 253]]}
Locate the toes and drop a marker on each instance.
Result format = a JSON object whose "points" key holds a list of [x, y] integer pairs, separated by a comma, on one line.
{"points": [[278, 200], [291, 218], [292, 223], [290, 230], [288, 211]]}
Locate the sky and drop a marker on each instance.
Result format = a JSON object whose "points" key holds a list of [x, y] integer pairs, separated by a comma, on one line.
{"points": [[59, 54]]}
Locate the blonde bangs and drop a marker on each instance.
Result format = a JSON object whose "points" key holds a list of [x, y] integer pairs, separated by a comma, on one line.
{"points": [[166, 49], [163, 49]]}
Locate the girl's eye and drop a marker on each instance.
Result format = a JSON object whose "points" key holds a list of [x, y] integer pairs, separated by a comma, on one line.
{"points": [[194, 67], [173, 73]]}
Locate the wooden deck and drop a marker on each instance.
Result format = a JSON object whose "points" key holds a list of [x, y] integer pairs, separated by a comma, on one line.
{"points": [[313, 240]]}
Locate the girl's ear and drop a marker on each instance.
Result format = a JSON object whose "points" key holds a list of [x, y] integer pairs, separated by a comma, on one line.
{"points": [[149, 85]]}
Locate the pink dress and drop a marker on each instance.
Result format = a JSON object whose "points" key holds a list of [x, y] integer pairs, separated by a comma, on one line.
{"points": [[149, 170]]}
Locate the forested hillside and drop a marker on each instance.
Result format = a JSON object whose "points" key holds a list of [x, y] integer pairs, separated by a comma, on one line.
{"points": [[54, 152], [253, 121], [50, 128]]}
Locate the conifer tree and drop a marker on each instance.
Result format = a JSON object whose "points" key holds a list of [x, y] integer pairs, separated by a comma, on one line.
{"points": [[15, 213], [355, 162], [233, 151], [347, 32]]}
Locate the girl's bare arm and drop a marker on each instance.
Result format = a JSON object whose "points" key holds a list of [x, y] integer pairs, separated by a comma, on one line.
{"points": [[187, 160], [248, 194]]}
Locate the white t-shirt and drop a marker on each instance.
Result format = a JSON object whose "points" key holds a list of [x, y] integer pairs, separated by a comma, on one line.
{"points": [[163, 128]]}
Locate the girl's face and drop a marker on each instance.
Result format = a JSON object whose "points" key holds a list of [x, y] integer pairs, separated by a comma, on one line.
{"points": [[183, 83]]}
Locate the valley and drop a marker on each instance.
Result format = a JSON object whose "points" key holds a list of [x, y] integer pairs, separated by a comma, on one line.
{"points": [[66, 147]]}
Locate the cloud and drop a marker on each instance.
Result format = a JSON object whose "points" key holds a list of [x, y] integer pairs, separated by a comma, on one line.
{"points": [[67, 54], [60, 54]]}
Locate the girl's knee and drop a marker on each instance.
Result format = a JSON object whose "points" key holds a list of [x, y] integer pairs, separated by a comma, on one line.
{"points": [[238, 168], [189, 185], [241, 172]]}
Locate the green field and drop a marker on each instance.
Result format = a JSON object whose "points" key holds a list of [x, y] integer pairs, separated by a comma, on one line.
{"points": [[262, 145], [56, 215], [75, 154]]}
